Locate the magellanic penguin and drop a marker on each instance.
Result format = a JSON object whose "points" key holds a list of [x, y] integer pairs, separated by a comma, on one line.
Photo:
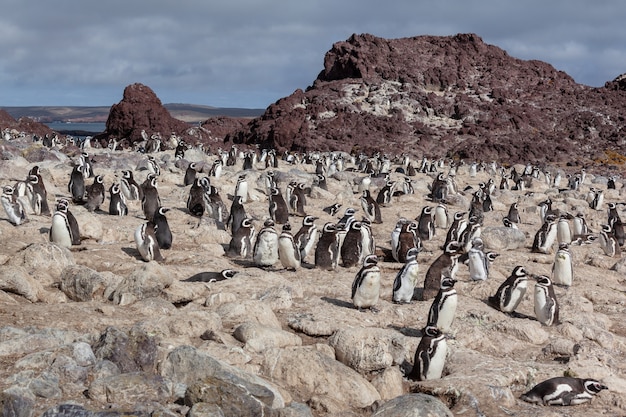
{"points": [[459, 223], [406, 279], [321, 182], [278, 209], [153, 166], [383, 198], [288, 251], [150, 201], [213, 203], [407, 186], [366, 284], [511, 292], [368, 243], [579, 225], [352, 246], [196, 200], [545, 236], [546, 305], [371, 209], [71, 220], [86, 164], [13, 206], [564, 390], [39, 201], [117, 203], [236, 215], [241, 241], [76, 186], [162, 228], [439, 189], [241, 188], [265, 252], [430, 355], [306, 237], [408, 239], [348, 217], [445, 265], [327, 248], [212, 276], [513, 214], [61, 231], [395, 237], [608, 242], [443, 309], [95, 194], [615, 221], [441, 216], [297, 199], [190, 174], [563, 230], [426, 224], [130, 188], [563, 267], [146, 243], [471, 232], [476, 260]]}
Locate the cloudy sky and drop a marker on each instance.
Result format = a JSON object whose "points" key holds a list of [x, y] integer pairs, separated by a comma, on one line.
{"points": [[250, 53]]}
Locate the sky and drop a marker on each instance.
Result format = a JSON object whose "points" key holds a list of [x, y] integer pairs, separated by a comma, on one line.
{"points": [[251, 53]]}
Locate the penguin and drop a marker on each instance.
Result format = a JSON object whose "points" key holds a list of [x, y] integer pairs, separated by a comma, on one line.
{"points": [[265, 253], [117, 205], [181, 148], [511, 292], [13, 206], [545, 236], [513, 214], [608, 242], [472, 231], [321, 182], [364, 184], [459, 223], [306, 237], [212, 276], [86, 166], [563, 267], [153, 166], [446, 263], [95, 194], [598, 199], [240, 244], [162, 228], [371, 208], [196, 203], [408, 239], [327, 248], [288, 251], [385, 193], [150, 201], [71, 220], [241, 189], [216, 168], [352, 247], [443, 308], [279, 212], [297, 199], [426, 224], [430, 355], [407, 186], [579, 225], [610, 184], [130, 188], [564, 390], [39, 200], [546, 305], [441, 216], [508, 223], [439, 189], [477, 261], [76, 186], [563, 231], [476, 207], [236, 215], [395, 238], [213, 203], [616, 224], [61, 231], [406, 279], [190, 174], [348, 217], [487, 203], [366, 284], [146, 243]]}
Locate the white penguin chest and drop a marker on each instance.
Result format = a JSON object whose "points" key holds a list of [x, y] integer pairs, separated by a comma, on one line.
{"points": [[437, 360]]}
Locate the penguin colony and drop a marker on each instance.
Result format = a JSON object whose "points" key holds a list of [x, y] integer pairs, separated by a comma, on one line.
{"points": [[288, 238]]}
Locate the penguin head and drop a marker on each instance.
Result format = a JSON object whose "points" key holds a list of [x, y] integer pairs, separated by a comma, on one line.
{"points": [[593, 387], [329, 228], [564, 246], [542, 280], [412, 253], [8, 190], [453, 248], [99, 179], [350, 211], [229, 273], [192, 166], [115, 188], [308, 220], [286, 227], [370, 260], [204, 182], [447, 283], [431, 331], [127, 174], [491, 256], [246, 222], [163, 210], [519, 271], [507, 222], [459, 215], [268, 223], [34, 170]]}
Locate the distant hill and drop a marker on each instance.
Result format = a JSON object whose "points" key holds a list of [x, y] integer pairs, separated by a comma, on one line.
{"points": [[191, 113]]}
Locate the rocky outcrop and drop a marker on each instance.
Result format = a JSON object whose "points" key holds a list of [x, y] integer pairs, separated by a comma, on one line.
{"points": [[23, 125]]}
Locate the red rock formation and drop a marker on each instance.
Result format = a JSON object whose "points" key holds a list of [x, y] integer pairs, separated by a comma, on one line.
{"points": [[24, 124]]}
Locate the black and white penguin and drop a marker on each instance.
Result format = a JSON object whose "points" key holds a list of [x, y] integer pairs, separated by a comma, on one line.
{"points": [[383, 198], [332, 209], [39, 201], [476, 260], [95, 194], [395, 238], [471, 232], [279, 211], [352, 245], [368, 243], [117, 205], [608, 241], [216, 168], [445, 265], [508, 223], [441, 216], [76, 186], [190, 174], [146, 242], [212, 276], [366, 284], [511, 292], [513, 214], [615, 221], [598, 200], [213, 203], [13, 206], [563, 230], [407, 239], [546, 304], [297, 199], [288, 251], [71, 220], [162, 228], [406, 279], [610, 183], [348, 217], [306, 237], [371, 208], [439, 189], [196, 203], [241, 241], [459, 223], [327, 248], [320, 181], [443, 309], [407, 186], [62, 232], [150, 201], [426, 224], [130, 188], [241, 188], [564, 390], [236, 215], [153, 166], [265, 253], [579, 225], [476, 207], [430, 355], [181, 148], [563, 267], [545, 236], [86, 165]]}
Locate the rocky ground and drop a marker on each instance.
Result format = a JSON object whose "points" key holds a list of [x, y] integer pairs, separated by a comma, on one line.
{"points": [[99, 328]]}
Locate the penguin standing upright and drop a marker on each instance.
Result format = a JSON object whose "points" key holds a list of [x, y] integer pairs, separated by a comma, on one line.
{"points": [[511, 292], [153, 166], [563, 231], [443, 308], [564, 390], [196, 203], [545, 236], [162, 228], [477, 261], [236, 215], [406, 279], [213, 203], [546, 305], [321, 182], [352, 246], [241, 188], [150, 201], [61, 231], [368, 243], [395, 237], [190, 174], [366, 284], [306, 237], [13, 206], [615, 221], [327, 248], [76, 186], [407, 186], [146, 243], [385, 193], [430, 355], [71, 220], [608, 242], [265, 253], [130, 188], [241, 241], [288, 251], [445, 265], [513, 214], [426, 224], [441, 216], [459, 223], [95, 194], [333, 209], [371, 208], [408, 239], [563, 268], [297, 199], [579, 225], [39, 201], [117, 205], [279, 211]]}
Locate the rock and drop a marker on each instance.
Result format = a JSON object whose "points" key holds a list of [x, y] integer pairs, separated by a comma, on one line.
{"points": [[389, 383], [132, 352], [43, 257], [413, 405], [80, 283], [235, 313], [260, 338], [18, 281], [149, 280], [17, 401], [129, 389], [503, 238]]}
